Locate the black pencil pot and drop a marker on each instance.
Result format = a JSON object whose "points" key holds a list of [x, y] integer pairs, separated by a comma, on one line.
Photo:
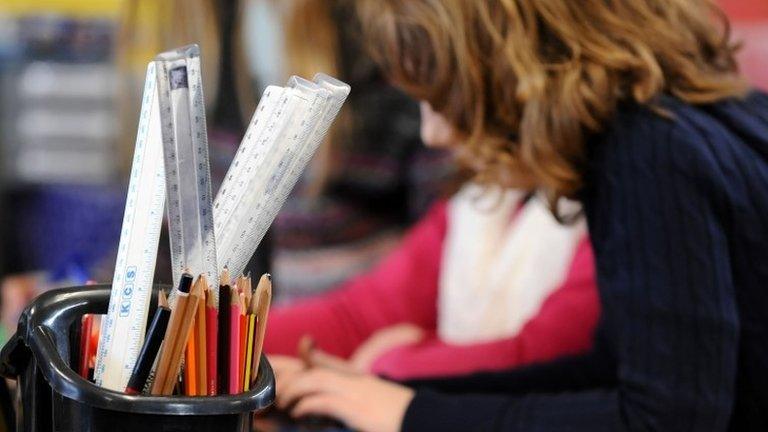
{"points": [[53, 397]]}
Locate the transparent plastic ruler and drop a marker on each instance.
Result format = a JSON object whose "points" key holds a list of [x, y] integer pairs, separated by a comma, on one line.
{"points": [[170, 166], [270, 115], [248, 173], [122, 329], [275, 154], [338, 94], [187, 169]]}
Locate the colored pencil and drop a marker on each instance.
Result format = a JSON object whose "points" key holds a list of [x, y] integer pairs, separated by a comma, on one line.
{"points": [[264, 295], [151, 346], [243, 340], [225, 296], [179, 341], [190, 363], [86, 327], [234, 343], [247, 290], [211, 331], [252, 307], [200, 336], [174, 325]]}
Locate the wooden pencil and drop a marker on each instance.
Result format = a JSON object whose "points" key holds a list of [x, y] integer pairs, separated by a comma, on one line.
{"points": [[243, 339], [247, 290], [152, 343], [174, 324], [178, 340], [86, 328], [234, 343], [223, 351], [190, 364], [252, 307], [200, 336], [212, 330], [264, 295]]}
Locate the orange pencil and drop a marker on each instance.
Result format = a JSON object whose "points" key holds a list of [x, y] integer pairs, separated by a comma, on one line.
{"points": [[171, 332], [190, 365], [201, 351], [177, 340], [212, 342]]}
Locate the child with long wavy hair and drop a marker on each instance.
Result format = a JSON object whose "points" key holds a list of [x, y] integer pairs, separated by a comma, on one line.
{"points": [[635, 108], [486, 280]]}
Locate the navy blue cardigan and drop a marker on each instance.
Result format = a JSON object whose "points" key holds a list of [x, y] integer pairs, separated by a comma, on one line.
{"points": [[677, 209]]}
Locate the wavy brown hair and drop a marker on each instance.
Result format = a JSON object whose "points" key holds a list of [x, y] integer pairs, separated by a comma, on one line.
{"points": [[529, 80], [313, 20]]}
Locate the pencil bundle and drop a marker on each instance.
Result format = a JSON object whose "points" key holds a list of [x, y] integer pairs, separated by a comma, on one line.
{"points": [[193, 349]]}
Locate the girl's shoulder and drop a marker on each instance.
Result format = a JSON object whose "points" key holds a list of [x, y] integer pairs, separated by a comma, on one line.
{"points": [[684, 137]]}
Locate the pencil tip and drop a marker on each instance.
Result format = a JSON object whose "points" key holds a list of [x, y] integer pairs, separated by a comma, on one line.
{"points": [[225, 279], [162, 300]]}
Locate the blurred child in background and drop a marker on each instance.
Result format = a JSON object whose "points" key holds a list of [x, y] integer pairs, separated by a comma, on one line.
{"points": [[486, 280], [370, 179]]}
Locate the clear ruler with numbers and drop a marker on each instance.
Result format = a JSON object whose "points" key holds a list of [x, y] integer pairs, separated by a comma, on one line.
{"points": [[170, 166], [288, 126], [187, 170]]}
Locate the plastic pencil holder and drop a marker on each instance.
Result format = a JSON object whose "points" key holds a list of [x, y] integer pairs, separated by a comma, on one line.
{"points": [[53, 397]]}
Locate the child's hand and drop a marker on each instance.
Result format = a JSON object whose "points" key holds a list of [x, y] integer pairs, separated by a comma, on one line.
{"points": [[361, 402], [384, 341], [285, 369]]}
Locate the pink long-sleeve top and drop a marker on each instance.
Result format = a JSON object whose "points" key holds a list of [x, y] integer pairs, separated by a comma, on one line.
{"points": [[403, 288]]}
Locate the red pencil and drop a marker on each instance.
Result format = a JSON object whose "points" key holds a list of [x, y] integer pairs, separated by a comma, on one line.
{"points": [[243, 337], [86, 341], [234, 343], [85, 344], [211, 341]]}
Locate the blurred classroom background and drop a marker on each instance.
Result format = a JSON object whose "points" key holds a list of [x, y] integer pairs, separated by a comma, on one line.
{"points": [[71, 72]]}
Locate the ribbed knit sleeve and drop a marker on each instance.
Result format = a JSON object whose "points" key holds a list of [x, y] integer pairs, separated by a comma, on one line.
{"points": [[656, 200]]}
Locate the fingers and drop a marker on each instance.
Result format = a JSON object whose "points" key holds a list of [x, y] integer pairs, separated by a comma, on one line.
{"points": [[284, 366], [312, 356], [285, 369], [384, 341], [308, 383], [408, 333], [321, 358], [305, 348], [324, 404]]}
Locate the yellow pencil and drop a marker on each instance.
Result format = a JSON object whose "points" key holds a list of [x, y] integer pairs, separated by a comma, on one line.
{"points": [[249, 351]]}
